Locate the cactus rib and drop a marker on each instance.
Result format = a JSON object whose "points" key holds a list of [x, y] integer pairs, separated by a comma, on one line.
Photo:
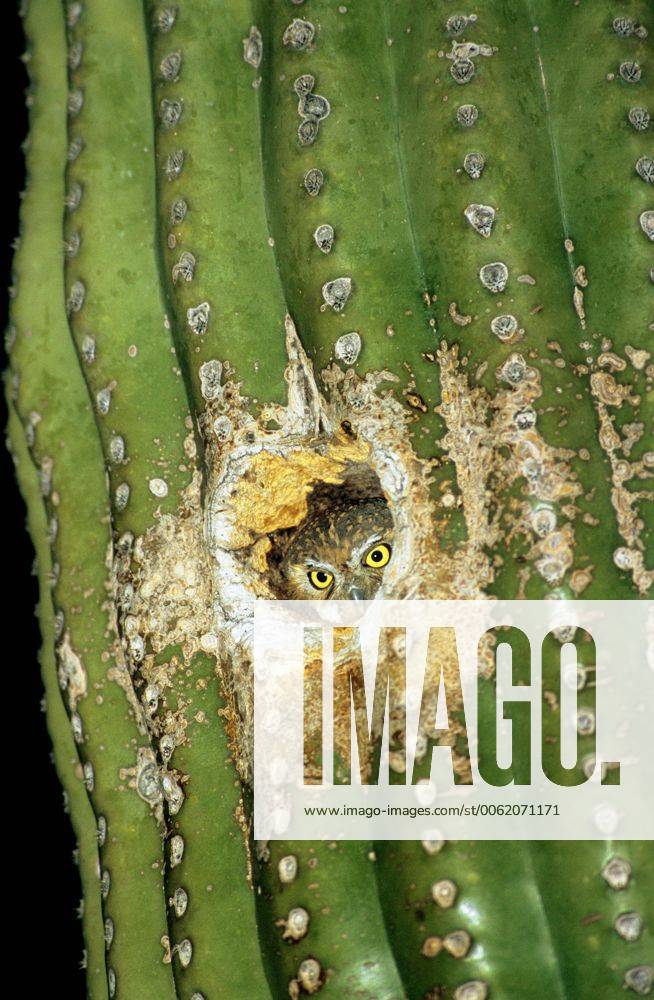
{"points": [[66, 757]]}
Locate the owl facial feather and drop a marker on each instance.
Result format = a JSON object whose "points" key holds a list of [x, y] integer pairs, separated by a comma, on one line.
{"points": [[336, 542]]}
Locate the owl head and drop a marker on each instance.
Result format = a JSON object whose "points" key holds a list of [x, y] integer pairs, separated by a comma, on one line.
{"points": [[339, 554]]}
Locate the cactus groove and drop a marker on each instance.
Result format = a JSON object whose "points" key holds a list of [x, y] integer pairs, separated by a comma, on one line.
{"points": [[263, 244]]}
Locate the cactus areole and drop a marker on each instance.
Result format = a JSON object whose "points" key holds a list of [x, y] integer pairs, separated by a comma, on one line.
{"points": [[374, 276]]}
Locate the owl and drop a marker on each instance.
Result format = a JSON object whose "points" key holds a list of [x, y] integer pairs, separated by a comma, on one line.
{"points": [[339, 554]]}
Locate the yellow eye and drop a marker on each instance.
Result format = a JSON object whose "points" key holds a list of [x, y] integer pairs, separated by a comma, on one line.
{"points": [[320, 579], [378, 556]]}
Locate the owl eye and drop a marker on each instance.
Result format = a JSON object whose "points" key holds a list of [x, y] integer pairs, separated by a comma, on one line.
{"points": [[320, 579], [378, 556]]}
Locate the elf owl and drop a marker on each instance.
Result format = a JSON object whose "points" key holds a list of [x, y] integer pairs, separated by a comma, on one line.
{"points": [[339, 554]]}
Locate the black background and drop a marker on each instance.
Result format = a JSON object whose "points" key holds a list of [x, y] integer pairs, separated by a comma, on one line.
{"points": [[46, 935]]}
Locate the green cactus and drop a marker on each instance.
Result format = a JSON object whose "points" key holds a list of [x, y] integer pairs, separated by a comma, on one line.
{"points": [[456, 212]]}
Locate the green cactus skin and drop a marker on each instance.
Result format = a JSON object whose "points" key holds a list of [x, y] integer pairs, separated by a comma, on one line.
{"points": [[165, 173], [210, 224], [123, 307], [66, 756], [533, 96], [55, 410]]}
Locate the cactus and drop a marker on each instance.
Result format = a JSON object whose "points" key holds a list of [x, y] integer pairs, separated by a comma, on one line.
{"points": [[269, 252]]}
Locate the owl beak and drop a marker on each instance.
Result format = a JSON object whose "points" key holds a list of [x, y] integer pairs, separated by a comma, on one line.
{"points": [[356, 594]]}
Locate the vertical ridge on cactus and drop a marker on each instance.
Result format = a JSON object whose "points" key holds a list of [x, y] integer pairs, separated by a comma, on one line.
{"points": [[123, 308], [212, 207], [55, 411], [66, 757], [276, 253]]}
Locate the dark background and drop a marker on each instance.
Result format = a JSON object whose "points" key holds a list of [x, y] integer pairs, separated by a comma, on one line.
{"points": [[46, 935]]}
